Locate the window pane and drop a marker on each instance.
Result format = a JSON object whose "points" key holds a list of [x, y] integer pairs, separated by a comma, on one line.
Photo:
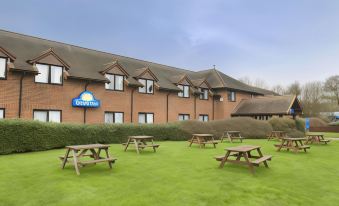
{"points": [[150, 86], [205, 93], [233, 96], [43, 73], [206, 118], [181, 94], [2, 67], [201, 118], [40, 116], [142, 118], [186, 117], [149, 119], [186, 91], [56, 75], [142, 89], [2, 113], [110, 85], [109, 117], [181, 117], [119, 82], [119, 117], [55, 116]]}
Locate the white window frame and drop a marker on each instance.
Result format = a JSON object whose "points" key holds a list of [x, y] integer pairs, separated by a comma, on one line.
{"points": [[49, 74], [113, 84], [2, 113], [145, 117], [232, 96], [204, 95], [48, 114], [183, 117], [114, 117], [185, 91], [147, 83], [3, 70], [203, 117]]}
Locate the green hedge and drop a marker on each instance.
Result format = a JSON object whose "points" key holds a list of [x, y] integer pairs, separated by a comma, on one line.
{"points": [[293, 128], [24, 136]]}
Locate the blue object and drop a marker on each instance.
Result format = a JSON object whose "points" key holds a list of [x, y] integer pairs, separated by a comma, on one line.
{"points": [[292, 111], [86, 99], [307, 123]]}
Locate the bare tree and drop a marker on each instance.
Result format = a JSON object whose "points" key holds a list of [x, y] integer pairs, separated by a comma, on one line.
{"points": [[245, 80], [332, 86], [294, 89], [260, 83], [312, 94], [279, 89]]}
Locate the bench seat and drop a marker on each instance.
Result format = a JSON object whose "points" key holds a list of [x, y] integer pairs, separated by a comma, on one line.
{"points": [[219, 158], [85, 155], [154, 146], [98, 161], [261, 159]]}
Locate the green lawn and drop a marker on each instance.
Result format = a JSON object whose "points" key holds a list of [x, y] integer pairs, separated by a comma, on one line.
{"points": [[175, 175]]}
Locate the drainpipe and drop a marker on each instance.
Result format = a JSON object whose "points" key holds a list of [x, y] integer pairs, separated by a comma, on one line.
{"points": [[167, 96], [132, 92], [20, 93], [85, 109]]}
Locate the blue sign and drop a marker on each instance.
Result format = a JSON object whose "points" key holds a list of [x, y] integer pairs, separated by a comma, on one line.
{"points": [[292, 111], [86, 99], [307, 123]]}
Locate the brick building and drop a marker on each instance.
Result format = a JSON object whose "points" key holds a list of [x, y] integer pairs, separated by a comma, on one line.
{"points": [[39, 79]]}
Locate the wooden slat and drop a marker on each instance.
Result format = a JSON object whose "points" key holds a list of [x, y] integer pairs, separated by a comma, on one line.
{"points": [[97, 161], [262, 159]]}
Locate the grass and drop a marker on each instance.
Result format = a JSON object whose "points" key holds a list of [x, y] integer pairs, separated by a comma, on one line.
{"points": [[328, 134], [175, 175]]}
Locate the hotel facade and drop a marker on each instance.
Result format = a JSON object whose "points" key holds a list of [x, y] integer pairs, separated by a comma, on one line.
{"points": [[56, 82]]}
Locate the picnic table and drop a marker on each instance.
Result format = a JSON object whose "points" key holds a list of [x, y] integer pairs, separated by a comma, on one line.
{"points": [[276, 135], [244, 152], [80, 151], [232, 135], [316, 138], [140, 142], [202, 140], [294, 144]]}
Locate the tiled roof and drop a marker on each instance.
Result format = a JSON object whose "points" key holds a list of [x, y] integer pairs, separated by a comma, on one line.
{"points": [[88, 64]]}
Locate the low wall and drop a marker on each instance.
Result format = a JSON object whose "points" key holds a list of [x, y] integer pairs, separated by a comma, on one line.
{"points": [[325, 129]]}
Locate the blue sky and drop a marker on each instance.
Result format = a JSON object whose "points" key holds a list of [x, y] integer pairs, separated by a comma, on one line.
{"points": [[279, 41]]}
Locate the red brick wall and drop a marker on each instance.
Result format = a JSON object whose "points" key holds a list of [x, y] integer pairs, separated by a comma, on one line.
{"points": [[46, 96]]}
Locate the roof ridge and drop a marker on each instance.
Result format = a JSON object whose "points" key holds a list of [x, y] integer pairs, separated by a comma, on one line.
{"points": [[218, 74], [95, 50]]}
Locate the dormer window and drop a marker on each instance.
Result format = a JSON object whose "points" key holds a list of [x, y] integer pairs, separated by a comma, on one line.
{"points": [[204, 93], [49, 74], [3, 68], [148, 87], [185, 91], [116, 82]]}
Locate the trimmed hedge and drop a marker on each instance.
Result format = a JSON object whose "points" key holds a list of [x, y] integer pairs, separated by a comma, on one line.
{"points": [[293, 128], [25, 136]]}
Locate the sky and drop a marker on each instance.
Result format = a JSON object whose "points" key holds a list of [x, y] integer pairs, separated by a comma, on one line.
{"points": [[278, 41]]}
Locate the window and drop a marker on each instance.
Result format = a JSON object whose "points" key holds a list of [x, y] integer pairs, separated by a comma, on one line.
{"points": [[49, 74], [204, 94], [47, 115], [2, 113], [114, 117], [203, 117], [185, 91], [231, 96], [183, 117], [148, 87], [146, 118], [116, 82], [3, 68]]}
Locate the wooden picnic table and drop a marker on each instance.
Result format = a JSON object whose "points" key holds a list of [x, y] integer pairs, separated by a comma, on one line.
{"points": [[294, 144], [276, 135], [231, 135], [244, 152], [316, 138], [80, 151], [202, 140], [140, 142]]}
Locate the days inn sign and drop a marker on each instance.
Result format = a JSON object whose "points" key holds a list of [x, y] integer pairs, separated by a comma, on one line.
{"points": [[86, 99]]}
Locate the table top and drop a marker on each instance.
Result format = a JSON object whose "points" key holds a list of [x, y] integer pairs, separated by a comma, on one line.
{"points": [[294, 139], [87, 146], [242, 148], [203, 135], [232, 131], [141, 137]]}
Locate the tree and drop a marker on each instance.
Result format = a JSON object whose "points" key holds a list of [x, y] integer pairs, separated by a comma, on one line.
{"points": [[332, 86], [311, 97], [260, 83], [294, 89], [246, 80], [279, 89]]}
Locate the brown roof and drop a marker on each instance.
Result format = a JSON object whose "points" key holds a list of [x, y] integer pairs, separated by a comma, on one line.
{"points": [[88, 64], [267, 105]]}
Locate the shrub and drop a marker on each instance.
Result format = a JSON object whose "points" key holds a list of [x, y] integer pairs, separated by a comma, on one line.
{"points": [[249, 127], [24, 136], [293, 128], [317, 122]]}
